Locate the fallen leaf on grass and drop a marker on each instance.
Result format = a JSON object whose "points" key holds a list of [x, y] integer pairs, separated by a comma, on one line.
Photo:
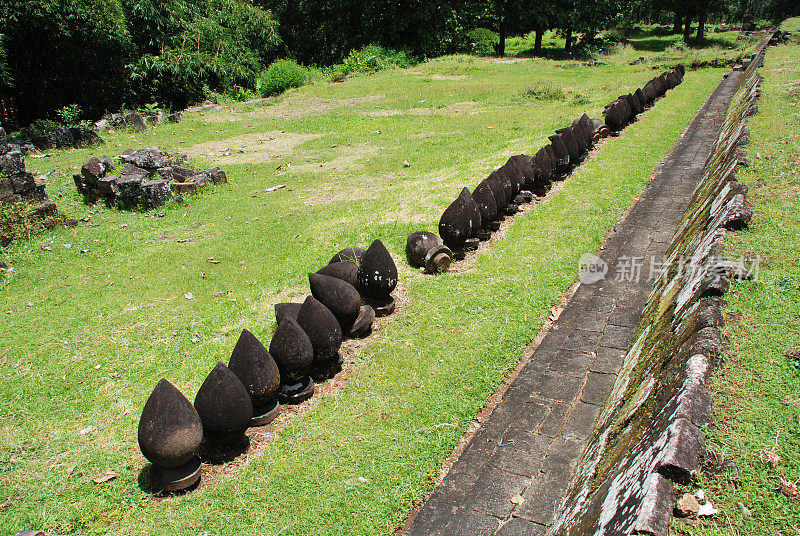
{"points": [[517, 499], [793, 353], [273, 188], [789, 489], [111, 475], [87, 430], [212, 260], [71, 470], [47, 248]]}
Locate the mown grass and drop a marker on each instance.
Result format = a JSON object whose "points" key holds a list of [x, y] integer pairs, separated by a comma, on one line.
{"points": [[757, 389], [89, 329]]}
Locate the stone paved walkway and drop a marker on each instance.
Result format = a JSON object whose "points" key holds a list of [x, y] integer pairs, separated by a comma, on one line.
{"points": [[530, 444]]}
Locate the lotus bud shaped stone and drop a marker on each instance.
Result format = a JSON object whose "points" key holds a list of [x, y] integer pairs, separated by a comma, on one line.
{"points": [[346, 271], [170, 433], [294, 354], [224, 407], [326, 337], [259, 374], [484, 198], [340, 297], [377, 278], [287, 310]]}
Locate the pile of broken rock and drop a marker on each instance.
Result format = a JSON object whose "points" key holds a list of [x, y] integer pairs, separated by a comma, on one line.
{"points": [[149, 177]]}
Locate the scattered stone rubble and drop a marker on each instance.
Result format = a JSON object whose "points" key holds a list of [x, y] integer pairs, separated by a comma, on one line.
{"points": [[19, 188], [145, 177]]}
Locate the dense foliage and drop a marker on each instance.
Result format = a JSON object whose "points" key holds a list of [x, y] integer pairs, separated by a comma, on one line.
{"points": [[280, 76], [101, 54]]}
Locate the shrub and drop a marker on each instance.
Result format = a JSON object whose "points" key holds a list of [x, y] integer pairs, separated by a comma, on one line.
{"points": [[70, 115], [280, 76], [372, 58], [544, 93], [482, 42]]}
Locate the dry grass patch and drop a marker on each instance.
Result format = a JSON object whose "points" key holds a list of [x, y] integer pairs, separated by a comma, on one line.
{"points": [[253, 148]]}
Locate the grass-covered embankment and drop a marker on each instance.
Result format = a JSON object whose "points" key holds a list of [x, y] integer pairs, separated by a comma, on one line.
{"points": [[756, 422], [89, 329]]}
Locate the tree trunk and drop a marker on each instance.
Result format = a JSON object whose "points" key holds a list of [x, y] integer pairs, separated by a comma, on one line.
{"points": [[537, 45], [677, 22], [568, 43], [701, 24], [501, 46], [687, 27]]}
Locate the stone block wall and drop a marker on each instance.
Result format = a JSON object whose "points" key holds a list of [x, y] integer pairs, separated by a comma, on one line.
{"points": [[649, 434]]}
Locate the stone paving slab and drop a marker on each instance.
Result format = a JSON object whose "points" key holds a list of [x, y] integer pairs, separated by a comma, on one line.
{"points": [[530, 444]]}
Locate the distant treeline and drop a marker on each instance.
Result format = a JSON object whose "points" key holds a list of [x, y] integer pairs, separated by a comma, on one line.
{"points": [[101, 54]]}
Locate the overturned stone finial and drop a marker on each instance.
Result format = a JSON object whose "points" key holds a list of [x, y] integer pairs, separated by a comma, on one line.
{"points": [[224, 407], [294, 354], [325, 334], [170, 433], [427, 250], [259, 374], [377, 278]]}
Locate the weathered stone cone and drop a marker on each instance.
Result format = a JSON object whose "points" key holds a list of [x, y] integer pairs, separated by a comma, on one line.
{"points": [[224, 407], [641, 98], [340, 297], [524, 166], [512, 175], [259, 374], [572, 146], [326, 337], [427, 250], [500, 197], [286, 310], [455, 225], [294, 354], [170, 433], [561, 162], [484, 198], [475, 212], [377, 278], [352, 254], [346, 271]]}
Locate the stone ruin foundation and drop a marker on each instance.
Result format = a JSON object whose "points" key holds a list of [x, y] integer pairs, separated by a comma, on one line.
{"points": [[143, 178], [23, 197]]}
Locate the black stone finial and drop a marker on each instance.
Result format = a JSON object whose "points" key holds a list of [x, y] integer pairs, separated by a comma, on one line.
{"points": [[571, 144], [561, 162], [427, 250], [484, 198], [340, 297], [294, 354], [346, 271], [224, 407], [286, 310], [259, 374], [377, 278], [170, 433], [326, 337]]}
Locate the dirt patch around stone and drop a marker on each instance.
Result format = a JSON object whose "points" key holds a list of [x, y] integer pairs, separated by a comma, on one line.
{"points": [[251, 148], [457, 108]]}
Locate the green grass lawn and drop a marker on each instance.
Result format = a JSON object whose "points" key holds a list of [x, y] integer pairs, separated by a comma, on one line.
{"points": [[757, 389], [90, 328]]}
